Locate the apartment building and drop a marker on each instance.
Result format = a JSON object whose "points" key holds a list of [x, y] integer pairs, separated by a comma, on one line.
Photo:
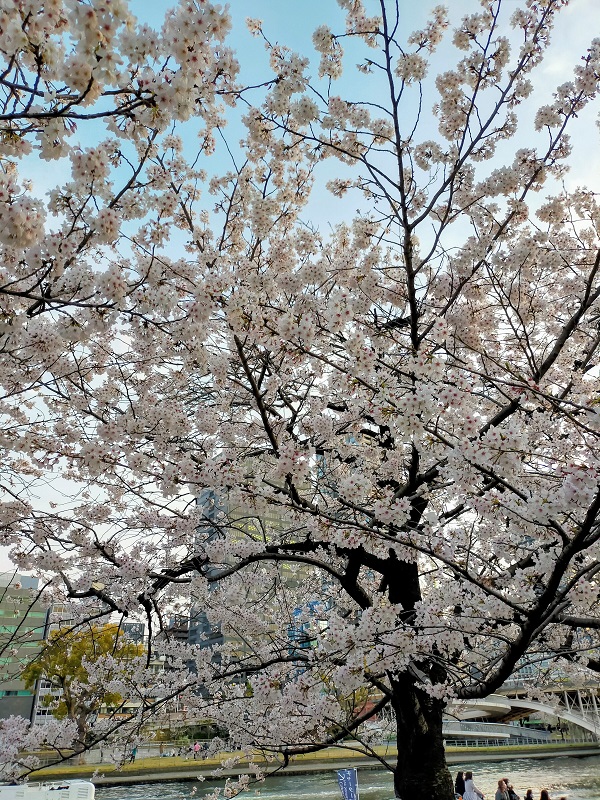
{"points": [[23, 624]]}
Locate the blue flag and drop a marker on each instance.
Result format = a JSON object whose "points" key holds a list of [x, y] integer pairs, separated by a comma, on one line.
{"points": [[348, 781]]}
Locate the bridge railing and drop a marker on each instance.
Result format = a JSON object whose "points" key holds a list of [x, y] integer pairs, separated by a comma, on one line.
{"points": [[480, 742], [493, 729]]}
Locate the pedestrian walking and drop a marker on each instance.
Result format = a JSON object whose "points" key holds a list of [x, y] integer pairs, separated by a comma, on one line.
{"points": [[196, 749]]}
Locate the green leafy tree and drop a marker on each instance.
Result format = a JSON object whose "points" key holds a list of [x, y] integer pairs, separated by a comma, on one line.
{"points": [[85, 665]]}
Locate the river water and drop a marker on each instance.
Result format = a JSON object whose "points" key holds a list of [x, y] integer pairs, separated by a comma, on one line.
{"points": [[574, 778]]}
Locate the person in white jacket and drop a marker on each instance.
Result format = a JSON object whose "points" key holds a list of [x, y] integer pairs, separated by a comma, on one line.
{"points": [[471, 791]]}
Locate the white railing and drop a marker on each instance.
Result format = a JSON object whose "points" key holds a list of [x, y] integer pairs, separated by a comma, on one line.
{"points": [[492, 729]]}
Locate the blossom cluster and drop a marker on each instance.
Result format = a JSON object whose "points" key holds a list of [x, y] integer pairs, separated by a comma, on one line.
{"points": [[345, 447]]}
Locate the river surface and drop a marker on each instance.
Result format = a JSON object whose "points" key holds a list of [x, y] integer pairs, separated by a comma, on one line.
{"points": [[574, 778]]}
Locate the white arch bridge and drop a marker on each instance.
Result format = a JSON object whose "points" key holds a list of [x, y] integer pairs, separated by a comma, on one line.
{"points": [[577, 705]]}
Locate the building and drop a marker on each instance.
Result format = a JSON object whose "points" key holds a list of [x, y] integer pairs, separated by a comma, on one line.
{"points": [[23, 624], [50, 694], [134, 631]]}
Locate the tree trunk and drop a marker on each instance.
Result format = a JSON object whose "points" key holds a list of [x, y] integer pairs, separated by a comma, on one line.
{"points": [[421, 772], [80, 719]]}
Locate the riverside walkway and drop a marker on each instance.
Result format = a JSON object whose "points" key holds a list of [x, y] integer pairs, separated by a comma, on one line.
{"points": [[146, 770]]}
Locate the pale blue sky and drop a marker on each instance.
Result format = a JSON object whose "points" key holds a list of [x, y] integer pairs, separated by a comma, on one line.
{"points": [[292, 22]]}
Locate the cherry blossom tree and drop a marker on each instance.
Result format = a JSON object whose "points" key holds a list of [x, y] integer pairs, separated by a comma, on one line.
{"points": [[63, 666], [365, 459]]}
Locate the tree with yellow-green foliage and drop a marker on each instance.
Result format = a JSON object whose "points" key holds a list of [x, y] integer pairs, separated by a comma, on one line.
{"points": [[88, 666]]}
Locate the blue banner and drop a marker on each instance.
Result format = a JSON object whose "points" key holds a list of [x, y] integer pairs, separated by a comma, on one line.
{"points": [[348, 781]]}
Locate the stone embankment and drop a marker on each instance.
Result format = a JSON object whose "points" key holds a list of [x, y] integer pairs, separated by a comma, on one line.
{"points": [[148, 770]]}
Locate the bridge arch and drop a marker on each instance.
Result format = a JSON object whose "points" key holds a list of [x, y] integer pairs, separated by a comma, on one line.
{"points": [[498, 706]]}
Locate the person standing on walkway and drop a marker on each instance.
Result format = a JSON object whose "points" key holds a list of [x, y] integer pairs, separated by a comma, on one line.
{"points": [[459, 785], [196, 749], [471, 791], [502, 790]]}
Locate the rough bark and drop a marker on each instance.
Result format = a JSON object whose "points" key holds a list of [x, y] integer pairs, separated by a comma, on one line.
{"points": [[421, 772]]}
